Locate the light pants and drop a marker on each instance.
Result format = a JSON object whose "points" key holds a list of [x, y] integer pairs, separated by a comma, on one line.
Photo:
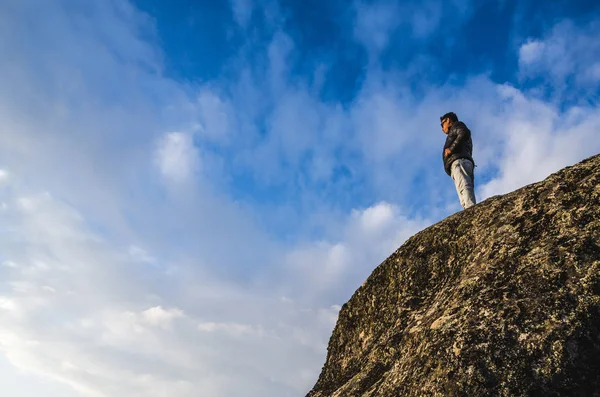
{"points": [[461, 172]]}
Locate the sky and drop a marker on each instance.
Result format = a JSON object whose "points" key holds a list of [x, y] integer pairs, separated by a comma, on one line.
{"points": [[191, 190]]}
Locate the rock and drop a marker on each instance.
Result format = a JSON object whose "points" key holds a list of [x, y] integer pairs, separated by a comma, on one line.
{"points": [[502, 299]]}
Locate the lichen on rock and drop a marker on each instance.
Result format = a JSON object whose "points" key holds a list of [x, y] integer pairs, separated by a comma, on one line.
{"points": [[502, 299]]}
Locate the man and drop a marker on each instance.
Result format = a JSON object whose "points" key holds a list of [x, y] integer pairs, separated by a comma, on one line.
{"points": [[458, 160]]}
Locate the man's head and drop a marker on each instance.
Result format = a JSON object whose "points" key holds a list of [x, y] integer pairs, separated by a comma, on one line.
{"points": [[447, 120]]}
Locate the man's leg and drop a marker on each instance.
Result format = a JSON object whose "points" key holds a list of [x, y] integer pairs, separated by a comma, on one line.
{"points": [[464, 180]]}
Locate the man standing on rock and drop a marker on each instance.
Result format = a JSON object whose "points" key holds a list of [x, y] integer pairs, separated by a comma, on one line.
{"points": [[458, 160]]}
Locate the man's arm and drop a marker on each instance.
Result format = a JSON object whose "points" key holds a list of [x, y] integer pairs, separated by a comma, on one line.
{"points": [[462, 133]]}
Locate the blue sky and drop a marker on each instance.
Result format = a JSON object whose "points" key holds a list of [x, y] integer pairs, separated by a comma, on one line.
{"points": [[189, 192]]}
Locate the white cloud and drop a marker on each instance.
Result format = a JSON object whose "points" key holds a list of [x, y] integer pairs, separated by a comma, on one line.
{"points": [[233, 329], [566, 57], [107, 340], [4, 177], [377, 217], [140, 255], [368, 236], [377, 22], [540, 140], [8, 304], [177, 157], [215, 116], [279, 52], [28, 384], [160, 317], [531, 51], [380, 112], [49, 289]]}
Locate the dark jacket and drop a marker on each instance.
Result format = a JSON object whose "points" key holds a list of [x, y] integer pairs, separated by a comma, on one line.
{"points": [[460, 145]]}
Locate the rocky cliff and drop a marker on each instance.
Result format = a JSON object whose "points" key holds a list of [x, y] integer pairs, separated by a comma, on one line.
{"points": [[502, 299]]}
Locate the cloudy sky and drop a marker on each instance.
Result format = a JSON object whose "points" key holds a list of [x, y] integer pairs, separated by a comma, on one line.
{"points": [[190, 190]]}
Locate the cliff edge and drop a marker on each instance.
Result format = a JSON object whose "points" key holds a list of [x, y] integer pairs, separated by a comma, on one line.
{"points": [[502, 299]]}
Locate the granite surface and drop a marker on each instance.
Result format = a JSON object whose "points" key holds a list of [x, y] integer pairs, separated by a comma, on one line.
{"points": [[502, 299]]}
